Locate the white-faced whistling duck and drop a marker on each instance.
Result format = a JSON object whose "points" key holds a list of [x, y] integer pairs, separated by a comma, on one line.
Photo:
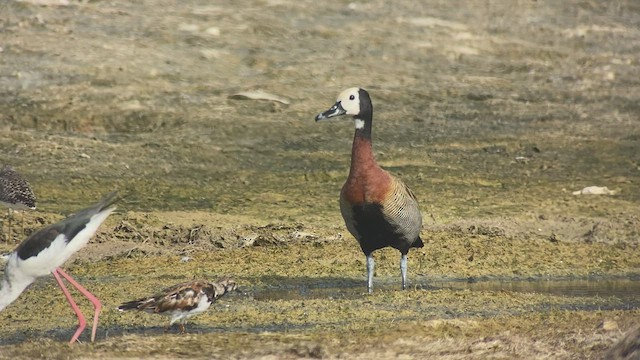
{"points": [[379, 210]]}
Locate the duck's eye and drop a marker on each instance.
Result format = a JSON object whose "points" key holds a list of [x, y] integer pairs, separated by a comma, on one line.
{"points": [[351, 97]]}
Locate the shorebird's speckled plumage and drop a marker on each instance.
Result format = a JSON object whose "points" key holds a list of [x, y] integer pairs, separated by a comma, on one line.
{"points": [[379, 210], [182, 301], [15, 191]]}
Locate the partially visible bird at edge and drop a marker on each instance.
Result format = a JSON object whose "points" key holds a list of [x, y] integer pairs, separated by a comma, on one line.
{"points": [[15, 193]]}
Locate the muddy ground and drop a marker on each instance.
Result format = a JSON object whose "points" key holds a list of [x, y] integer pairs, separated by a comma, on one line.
{"points": [[493, 112]]}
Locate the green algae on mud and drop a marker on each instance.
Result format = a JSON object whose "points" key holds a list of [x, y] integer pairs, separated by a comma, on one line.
{"points": [[137, 253], [554, 333], [465, 249], [149, 256]]}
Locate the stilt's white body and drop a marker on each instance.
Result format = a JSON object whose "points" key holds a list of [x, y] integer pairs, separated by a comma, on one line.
{"points": [[46, 250], [21, 273]]}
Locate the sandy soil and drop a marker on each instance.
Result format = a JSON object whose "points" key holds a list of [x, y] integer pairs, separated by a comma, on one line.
{"points": [[494, 113]]}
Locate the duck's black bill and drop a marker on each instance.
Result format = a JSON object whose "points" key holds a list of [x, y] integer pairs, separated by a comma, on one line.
{"points": [[335, 110]]}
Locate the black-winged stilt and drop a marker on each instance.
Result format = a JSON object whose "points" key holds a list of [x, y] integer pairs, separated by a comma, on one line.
{"points": [[182, 301], [46, 250]]}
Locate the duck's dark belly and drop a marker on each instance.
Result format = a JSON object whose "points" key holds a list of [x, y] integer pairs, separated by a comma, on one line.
{"points": [[368, 225]]}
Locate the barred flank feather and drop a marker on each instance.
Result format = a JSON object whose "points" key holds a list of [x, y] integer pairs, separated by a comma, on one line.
{"points": [[400, 209]]}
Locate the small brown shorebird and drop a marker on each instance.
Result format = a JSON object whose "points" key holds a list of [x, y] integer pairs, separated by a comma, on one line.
{"points": [[15, 193], [46, 250], [182, 301], [379, 210]]}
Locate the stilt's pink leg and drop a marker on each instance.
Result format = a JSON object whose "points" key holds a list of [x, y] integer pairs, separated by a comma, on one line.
{"points": [[82, 322], [94, 300]]}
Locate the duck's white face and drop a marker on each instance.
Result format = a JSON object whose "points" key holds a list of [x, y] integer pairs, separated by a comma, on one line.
{"points": [[348, 103]]}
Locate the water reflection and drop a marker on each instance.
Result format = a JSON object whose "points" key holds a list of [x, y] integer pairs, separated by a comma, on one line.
{"points": [[620, 288], [626, 289]]}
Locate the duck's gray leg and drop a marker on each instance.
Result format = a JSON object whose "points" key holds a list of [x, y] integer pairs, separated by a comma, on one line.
{"points": [[370, 268]]}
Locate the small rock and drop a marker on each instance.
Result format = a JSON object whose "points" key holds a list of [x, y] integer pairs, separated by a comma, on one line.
{"points": [[259, 95], [213, 31], [212, 53], [608, 325], [47, 2], [595, 190], [495, 149], [303, 235], [188, 27], [132, 105], [249, 240]]}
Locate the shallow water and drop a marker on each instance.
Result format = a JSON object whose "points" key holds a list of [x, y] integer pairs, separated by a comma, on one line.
{"points": [[580, 295], [625, 289]]}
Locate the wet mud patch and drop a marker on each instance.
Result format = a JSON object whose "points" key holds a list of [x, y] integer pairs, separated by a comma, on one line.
{"points": [[301, 280], [299, 294]]}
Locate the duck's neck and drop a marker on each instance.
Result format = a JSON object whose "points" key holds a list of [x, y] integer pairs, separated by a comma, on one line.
{"points": [[362, 150]]}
